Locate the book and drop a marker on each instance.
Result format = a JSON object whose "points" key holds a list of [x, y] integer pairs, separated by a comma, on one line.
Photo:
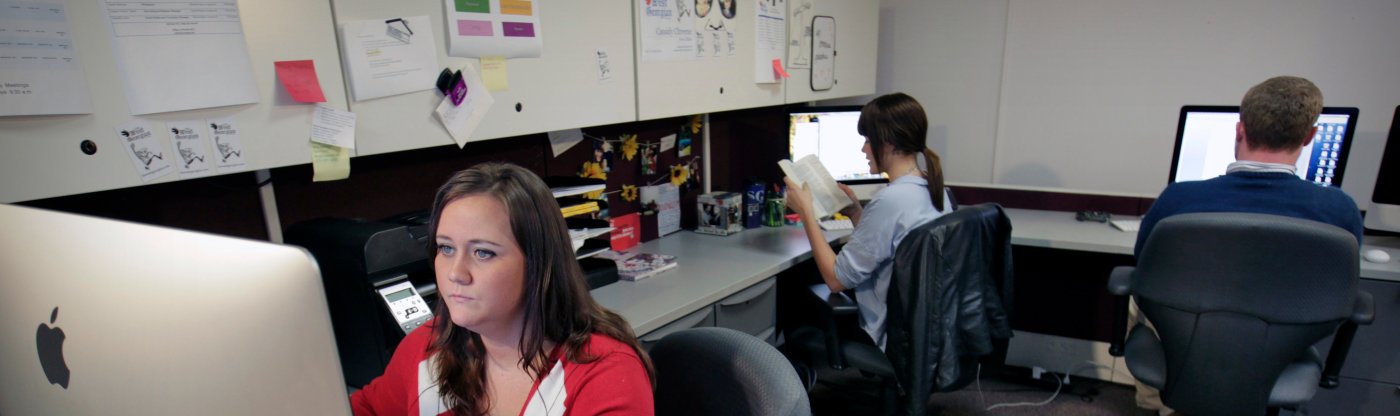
{"points": [[638, 266], [827, 199]]}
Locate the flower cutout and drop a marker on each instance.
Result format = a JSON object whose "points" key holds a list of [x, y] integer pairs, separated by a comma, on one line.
{"points": [[679, 174], [629, 146], [593, 170], [629, 193], [696, 122]]}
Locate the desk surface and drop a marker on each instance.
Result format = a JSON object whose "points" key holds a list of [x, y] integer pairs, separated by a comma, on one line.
{"points": [[709, 269], [713, 267], [1059, 230]]}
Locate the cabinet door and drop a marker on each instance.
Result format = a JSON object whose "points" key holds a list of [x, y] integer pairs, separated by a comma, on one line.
{"points": [[857, 42], [1356, 397], [752, 311], [1373, 351], [706, 83], [559, 90]]}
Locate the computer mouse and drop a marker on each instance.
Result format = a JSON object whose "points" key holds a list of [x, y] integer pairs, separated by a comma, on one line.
{"points": [[1376, 255]]}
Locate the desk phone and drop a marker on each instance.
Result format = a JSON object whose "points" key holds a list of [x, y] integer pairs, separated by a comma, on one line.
{"points": [[406, 305]]}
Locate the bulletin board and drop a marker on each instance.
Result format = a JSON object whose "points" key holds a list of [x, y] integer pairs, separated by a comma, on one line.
{"points": [[42, 156]]}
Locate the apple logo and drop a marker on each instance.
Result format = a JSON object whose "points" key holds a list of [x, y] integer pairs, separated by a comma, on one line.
{"points": [[50, 343]]}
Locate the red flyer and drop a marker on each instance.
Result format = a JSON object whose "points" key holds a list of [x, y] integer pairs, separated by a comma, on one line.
{"points": [[627, 231]]}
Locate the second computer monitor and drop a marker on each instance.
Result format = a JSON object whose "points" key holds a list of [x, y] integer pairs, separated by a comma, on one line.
{"points": [[831, 134], [1205, 144]]}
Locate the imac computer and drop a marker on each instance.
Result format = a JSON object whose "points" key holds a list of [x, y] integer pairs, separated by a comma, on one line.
{"points": [[1384, 211], [115, 318], [1205, 144], [831, 134]]}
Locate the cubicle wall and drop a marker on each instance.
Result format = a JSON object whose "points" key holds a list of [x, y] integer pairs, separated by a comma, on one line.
{"points": [[1084, 94], [559, 90], [40, 155]]}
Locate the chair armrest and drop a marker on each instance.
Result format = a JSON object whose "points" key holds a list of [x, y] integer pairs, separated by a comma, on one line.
{"points": [[1364, 310], [1363, 313], [1119, 284], [831, 306], [1120, 280]]}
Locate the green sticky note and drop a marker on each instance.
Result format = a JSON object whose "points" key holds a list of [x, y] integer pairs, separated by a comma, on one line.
{"points": [[473, 6]]}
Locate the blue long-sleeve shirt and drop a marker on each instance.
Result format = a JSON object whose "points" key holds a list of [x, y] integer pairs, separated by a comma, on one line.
{"points": [[1277, 193]]}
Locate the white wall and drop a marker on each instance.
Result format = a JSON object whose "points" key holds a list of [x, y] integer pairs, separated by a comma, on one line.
{"points": [[1084, 94]]}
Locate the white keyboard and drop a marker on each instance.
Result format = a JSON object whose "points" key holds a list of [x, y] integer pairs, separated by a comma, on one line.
{"points": [[1127, 226], [835, 224]]}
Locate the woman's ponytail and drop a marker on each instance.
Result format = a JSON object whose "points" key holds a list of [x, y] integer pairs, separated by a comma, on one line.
{"points": [[934, 174]]}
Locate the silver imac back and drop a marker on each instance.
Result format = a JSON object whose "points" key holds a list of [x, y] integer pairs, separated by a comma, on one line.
{"points": [[114, 318]]}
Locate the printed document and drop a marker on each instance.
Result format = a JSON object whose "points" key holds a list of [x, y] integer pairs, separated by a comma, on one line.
{"points": [[39, 72], [827, 199], [389, 57], [180, 55]]}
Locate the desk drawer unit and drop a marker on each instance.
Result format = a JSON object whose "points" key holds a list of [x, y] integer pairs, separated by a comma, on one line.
{"points": [[701, 318], [752, 311], [1370, 382]]}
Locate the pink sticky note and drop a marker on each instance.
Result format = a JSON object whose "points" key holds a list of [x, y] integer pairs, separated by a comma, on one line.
{"points": [[778, 68], [299, 78]]}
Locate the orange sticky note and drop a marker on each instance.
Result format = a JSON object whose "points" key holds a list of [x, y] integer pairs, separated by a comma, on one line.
{"points": [[778, 68], [299, 78]]}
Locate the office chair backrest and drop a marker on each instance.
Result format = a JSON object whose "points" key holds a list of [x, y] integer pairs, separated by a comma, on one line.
{"points": [[1235, 297], [949, 301], [720, 371]]}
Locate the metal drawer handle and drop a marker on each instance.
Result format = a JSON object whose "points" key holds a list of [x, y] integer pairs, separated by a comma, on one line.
{"points": [[749, 294]]}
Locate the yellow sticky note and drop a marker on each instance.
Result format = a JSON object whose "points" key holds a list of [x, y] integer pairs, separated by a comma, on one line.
{"points": [[329, 163], [493, 73]]}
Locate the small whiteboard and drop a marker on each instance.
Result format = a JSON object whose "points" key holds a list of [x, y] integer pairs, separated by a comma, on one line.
{"points": [[823, 52]]}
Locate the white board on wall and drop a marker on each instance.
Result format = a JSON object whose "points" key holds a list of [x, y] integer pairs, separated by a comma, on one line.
{"points": [[40, 156], [1091, 90]]}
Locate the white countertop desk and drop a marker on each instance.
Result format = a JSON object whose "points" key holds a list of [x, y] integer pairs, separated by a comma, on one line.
{"points": [[713, 267], [709, 269], [1059, 230]]}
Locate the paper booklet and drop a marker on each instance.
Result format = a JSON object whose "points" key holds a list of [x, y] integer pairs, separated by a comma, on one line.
{"points": [[638, 266], [827, 199]]}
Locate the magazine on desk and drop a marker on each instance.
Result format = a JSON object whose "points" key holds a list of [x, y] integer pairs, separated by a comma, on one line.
{"points": [[638, 266], [827, 198]]}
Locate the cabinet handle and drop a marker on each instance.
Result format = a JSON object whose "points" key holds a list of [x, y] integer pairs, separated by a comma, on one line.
{"points": [[678, 325]]}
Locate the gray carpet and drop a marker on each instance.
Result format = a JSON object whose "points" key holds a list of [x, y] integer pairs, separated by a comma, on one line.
{"points": [[849, 393]]}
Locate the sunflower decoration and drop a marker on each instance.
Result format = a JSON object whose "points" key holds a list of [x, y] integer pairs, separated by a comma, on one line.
{"points": [[629, 146], [680, 174], [696, 122], [629, 193], [593, 170]]}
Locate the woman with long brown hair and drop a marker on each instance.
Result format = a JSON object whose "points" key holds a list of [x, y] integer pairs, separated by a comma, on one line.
{"points": [[894, 127], [515, 331]]}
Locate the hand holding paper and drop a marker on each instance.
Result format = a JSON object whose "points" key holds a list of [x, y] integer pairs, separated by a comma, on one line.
{"points": [[825, 197]]}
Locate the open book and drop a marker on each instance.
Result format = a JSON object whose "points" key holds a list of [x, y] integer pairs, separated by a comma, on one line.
{"points": [[827, 199]]}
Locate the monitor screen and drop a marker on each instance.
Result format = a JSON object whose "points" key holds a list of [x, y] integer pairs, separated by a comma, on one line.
{"points": [[1384, 210], [1205, 144], [830, 133]]}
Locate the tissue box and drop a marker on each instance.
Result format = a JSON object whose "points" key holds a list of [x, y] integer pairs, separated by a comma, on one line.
{"points": [[720, 213]]}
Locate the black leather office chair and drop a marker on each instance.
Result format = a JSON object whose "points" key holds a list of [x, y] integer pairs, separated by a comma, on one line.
{"points": [[720, 371], [1238, 300], [949, 311]]}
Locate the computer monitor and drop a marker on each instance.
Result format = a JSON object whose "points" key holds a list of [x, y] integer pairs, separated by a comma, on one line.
{"points": [[107, 317], [831, 134], [1384, 211], [1205, 144]]}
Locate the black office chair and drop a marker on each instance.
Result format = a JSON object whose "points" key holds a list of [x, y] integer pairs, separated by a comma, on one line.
{"points": [[1238, 300], [720, 371], [949, 311]]}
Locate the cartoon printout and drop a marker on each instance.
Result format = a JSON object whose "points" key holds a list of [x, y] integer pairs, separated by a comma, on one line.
{"points": [[228, 146], [147, 155], [191, 153]]}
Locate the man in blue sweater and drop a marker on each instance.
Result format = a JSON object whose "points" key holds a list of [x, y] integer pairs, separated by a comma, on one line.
{"points": [[1277, 120]]}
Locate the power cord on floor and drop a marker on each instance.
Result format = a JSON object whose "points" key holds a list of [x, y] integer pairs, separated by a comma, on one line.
{"points": [[983, 400]]}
